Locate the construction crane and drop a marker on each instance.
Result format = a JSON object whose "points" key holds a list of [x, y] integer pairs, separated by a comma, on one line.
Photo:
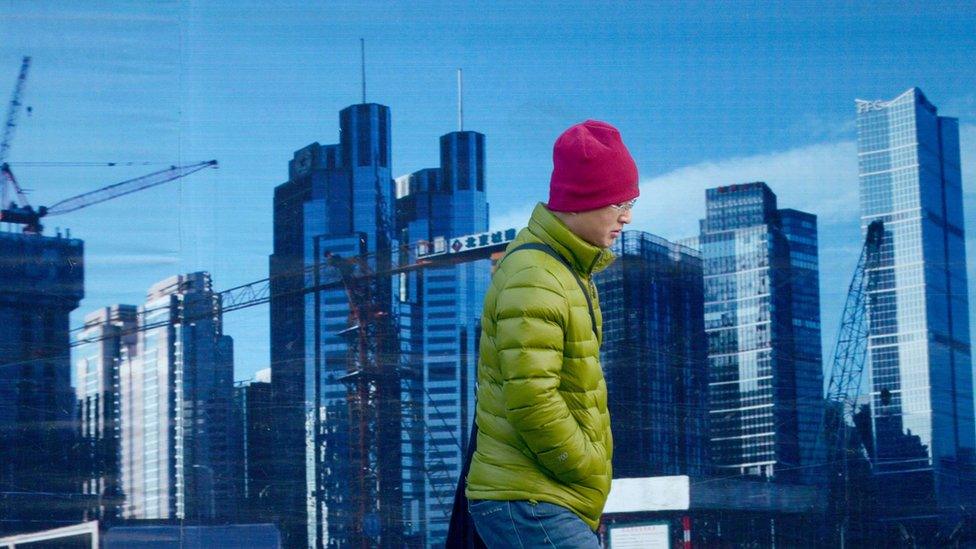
{"points": [[10, 124], [23, 213], [847, 371], [19, 211], [373, 397], [13, 109]]}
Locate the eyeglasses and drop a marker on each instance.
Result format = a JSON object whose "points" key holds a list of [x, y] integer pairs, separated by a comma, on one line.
{"points": [[624, 206]]}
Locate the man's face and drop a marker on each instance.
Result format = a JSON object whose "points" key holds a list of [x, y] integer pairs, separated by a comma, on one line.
{"points": [[602, 226]]}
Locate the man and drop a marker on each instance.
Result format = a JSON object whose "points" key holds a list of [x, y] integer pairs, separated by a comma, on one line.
{"points": [[541, 468]]}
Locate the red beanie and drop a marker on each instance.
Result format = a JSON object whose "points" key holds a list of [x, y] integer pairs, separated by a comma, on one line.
{"points": [[591, 168]]}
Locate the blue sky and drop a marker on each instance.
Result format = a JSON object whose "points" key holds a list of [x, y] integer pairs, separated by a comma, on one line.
{"points": [[705, 94]]}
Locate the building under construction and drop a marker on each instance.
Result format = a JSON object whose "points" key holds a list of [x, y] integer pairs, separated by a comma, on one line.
{"points": [[41, 282]]}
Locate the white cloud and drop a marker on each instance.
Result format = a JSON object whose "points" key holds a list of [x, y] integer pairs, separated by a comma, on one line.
{"points": [[515, 218], [821, 179]]}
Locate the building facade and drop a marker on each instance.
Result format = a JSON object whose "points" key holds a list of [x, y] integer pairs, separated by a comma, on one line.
{"points": [[439, 311], [919, 348], [107, 340], [337, 210], [762, 323], [178, 447], [654, 357], [254, 410], [41, 282]]}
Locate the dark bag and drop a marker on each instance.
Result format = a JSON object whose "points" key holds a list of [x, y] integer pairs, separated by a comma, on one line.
{"points": [[461, 533]]}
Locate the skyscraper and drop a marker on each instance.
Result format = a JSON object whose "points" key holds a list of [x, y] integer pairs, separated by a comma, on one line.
{"points": [[762, 321], [254, 412], [654, 357], [919, 348], [439, 311], [41, 282], [107, 340], [176, 396], [337, 204]]}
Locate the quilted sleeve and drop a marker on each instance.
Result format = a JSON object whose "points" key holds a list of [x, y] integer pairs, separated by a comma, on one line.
{"points": [[531, 315]]}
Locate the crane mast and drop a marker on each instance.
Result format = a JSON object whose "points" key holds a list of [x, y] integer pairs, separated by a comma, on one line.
{"points": [[13, 109], [850, 353], [10, 124], [847, 370]]}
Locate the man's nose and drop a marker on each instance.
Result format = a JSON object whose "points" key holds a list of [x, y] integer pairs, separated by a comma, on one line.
{"points": [[626, 216]]}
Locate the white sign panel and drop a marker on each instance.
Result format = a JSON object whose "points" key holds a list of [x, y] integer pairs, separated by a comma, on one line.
{"points": [[644, 536], [459, 244], [650, 494], [481, 240]]}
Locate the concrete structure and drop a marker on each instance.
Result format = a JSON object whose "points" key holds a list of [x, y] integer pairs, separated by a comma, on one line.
{"points": [[669, 511], [41, 282]]}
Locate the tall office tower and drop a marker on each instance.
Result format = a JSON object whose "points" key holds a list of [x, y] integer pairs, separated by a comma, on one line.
{"points": [[338, 203], [107, 340], [762, 320], [41, 282], [176, 396], [654, 357], [919, 348], [439, 312], [254, 412]]}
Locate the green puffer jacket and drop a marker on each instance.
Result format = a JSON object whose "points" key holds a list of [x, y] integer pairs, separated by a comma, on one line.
{"points": [[544, 428]]}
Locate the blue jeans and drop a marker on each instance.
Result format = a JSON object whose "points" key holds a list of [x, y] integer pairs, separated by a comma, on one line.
{"points": [[527, 525]]}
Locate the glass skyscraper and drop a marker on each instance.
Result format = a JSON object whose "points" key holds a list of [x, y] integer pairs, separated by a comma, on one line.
{"points": [[176, 396], [107, 340], [654, 357], [918, 348], [439, 312], [338, 202], [254, 412], [762, 322]]}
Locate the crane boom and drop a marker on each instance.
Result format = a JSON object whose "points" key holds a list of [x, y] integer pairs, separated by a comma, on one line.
{"points": [[31, 219], [125, 187]]}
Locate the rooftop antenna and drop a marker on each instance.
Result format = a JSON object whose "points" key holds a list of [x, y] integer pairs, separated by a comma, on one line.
{"points": [[460, 102], [362, 55]]}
